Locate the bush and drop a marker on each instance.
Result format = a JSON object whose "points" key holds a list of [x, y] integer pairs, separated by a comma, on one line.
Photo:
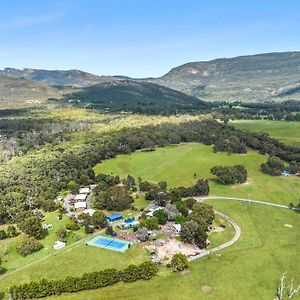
{"points": [[179, 262], [3, 235], [274, 166], [151, 223], [71, 225], [29, 245]]}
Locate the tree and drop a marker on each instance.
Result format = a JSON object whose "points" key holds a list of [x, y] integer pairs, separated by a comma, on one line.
{"points": [[33, 227], [73, 186], [117, 198], [151, 223], [188, 231], [203, 214], [2, 269], [286, 290], [29, 245], [200, 237], [129, 183], [190, 202], [3, 235], [62, 234], [230, 174], [161, 215], [179, 262], [72, 225], [202, 187], [142, 234], [109, 230], [11, 231], [274, 166], [99, 219]]}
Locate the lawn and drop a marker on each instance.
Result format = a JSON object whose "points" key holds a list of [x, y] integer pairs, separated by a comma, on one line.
{"points": [[248, 269], [12, 260], [177, 165], [287, 132]]}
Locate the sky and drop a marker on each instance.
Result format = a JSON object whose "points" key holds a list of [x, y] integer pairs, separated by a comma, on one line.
{"points": [[141, 38]]}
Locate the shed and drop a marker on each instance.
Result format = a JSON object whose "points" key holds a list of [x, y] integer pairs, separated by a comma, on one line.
{"points": [[114, 217], [59, 245]]}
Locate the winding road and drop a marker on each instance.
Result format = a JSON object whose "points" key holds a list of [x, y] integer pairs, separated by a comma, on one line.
{"points": [[233, 223]]}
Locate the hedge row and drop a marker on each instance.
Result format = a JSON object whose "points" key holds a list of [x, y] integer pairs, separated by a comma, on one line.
{"points": [[87, 281]]}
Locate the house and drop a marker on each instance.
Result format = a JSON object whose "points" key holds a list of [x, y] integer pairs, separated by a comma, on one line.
{"points": [[152, 210], [80, 197], [84, 190], [177, 227], [59, 245], [89, 211], [81, 205], [114, 217]]}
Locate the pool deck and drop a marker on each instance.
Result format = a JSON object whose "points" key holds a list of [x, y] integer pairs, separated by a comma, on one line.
{"points": [[109, 243]]}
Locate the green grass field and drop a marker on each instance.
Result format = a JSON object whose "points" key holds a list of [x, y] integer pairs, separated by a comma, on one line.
{"points": [[248, 269], [177, 164], [287, 132]]}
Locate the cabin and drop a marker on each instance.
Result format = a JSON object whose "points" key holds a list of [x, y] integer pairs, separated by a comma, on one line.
{"points": [[114, 217], [59, 245]]}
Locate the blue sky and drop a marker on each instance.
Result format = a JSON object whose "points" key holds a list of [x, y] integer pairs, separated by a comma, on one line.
{"points": [[141, 38]]}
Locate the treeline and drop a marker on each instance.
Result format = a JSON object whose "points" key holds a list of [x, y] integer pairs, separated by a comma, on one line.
{"points": [[286, 111], [33, 181], [87, 281]]}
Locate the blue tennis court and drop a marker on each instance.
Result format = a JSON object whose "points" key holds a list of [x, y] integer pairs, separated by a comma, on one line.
{"points": [[109, 243]]}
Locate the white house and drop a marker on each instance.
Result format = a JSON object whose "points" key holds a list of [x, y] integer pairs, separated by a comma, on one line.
{"points": [[84, 190], [150, 213], [89, 211], [80, 205], [177, 227], [80, 197], [59, 245]]}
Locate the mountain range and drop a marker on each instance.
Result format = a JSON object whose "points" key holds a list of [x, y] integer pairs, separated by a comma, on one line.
{"points": [[261, 77]]}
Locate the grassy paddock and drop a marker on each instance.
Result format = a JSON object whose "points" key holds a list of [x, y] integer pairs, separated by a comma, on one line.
{"points": [[177, 165], [287, 132], [248, 269]]}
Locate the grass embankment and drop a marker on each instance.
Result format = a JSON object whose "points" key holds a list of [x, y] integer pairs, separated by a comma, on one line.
{"points": [[177, 165]]}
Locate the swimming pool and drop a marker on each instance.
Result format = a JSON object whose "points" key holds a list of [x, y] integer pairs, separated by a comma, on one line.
{"points": [[109, 243]]}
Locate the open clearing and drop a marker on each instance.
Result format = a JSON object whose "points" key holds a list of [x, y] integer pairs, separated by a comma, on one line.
{"points": [[287, 132], [177, 165]]}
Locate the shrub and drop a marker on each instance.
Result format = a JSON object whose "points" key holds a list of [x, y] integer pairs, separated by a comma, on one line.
{"points": [[3, 235], [71, 225], [179, 262], [29, 245]]}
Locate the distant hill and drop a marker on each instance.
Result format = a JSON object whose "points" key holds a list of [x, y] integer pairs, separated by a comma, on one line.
{"points": [[18, 92], [270, 76], [74, 78], [135, 96]]}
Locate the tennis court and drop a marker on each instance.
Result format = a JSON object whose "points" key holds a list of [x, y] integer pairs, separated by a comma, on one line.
{"points": [[109, 243]]}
